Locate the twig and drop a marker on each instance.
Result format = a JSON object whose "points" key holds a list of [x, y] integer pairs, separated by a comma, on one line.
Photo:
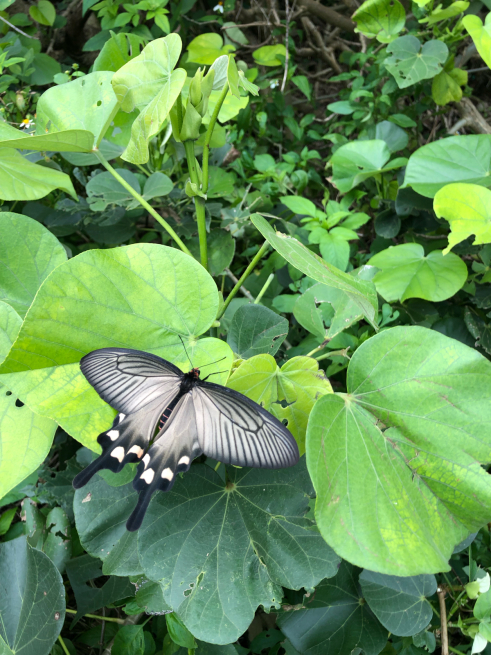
{"points": [[255, 260], [443, 619], [17, 29], [327, 53], [287, 44], [328, 15], [243, 290], [470, 116]]}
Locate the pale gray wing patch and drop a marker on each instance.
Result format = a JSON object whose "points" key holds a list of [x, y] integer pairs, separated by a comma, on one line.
{"points": [[171, 452], [235, 430], [129, 380]]}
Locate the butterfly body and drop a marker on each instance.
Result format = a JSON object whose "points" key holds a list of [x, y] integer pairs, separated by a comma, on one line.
{"points": [[167, 418]]}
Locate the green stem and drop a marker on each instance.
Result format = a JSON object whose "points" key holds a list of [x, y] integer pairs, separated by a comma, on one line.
{"points": [[243, 277], [455, 606], [334, 353], [99, 618], [143, 170], [63, 645], [454, 650], [208, 135], [142, 201], [264, 289], [199, 203]]}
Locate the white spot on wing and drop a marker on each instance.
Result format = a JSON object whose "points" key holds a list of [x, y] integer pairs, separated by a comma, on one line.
{"points": [[184, 460], [118, 453], [137, 450], [121, 417], [167, 474], [113, 434], [148, 476], [146, 459]]}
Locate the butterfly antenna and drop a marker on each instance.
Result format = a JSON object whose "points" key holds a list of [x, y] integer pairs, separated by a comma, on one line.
{"points": [[192, 366], [216, 362], [215, 373]]}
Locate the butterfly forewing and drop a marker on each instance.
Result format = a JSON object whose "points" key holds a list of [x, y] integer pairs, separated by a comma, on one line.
{"points": [[129, 379], [235, 430]]}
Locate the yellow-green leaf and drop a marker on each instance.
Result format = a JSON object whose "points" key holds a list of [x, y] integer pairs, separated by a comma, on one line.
{"points": [[268, 55], [481, 35]]}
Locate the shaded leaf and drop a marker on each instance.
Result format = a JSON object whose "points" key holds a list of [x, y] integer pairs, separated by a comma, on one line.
{"points": [[334, 622], [399, 603], [221, 250], [255, 330], [32, 602], [410, 62]]}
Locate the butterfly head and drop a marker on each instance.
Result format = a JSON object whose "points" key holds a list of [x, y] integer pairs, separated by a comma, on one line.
{"points": [[194, 372]]}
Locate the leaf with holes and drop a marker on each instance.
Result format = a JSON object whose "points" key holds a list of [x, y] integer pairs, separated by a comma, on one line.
{"points": [[255, 330], [32, 602], [141, 296], [400, 604], [220, 549], [410, 63], [299, 382], [416, 421], [335, 621]]}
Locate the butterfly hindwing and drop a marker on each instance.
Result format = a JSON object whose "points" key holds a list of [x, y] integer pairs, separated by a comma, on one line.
{"points": [[233, 429], [172, 452]]}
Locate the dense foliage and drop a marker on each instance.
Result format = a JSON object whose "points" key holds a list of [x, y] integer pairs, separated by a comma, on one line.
{"points": [[299, 193]]}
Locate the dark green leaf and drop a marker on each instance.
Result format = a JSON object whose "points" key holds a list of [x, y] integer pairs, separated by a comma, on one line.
{"points": [[256, 330], [221, 250], [387, 224], [178, 632], [399, 603], [32, 602], [336, 621], [129, 641]]}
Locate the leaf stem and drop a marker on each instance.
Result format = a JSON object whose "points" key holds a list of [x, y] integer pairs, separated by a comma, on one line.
{"points": [[243, 277], [142, 201], [264, 289], [443, 619], [63, 645], [199, 203], [209, 133], [99, 618]]}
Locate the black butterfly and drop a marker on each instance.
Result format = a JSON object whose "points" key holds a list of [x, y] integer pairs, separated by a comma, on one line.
{"points": [[191, 417]]}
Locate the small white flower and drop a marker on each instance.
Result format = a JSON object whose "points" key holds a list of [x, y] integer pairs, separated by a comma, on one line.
{"points": [[26, 123], [219, 8], [274, 84]]}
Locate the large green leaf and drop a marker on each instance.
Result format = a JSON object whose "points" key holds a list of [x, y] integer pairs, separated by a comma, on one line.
{"points": [[358, 160], [360, 292], [86, 103], [455, 159], [299, 382], [150, 83], [141, 296], [399, 603], [255, 330], [206, 48], [382, 19], [32, 602], [467, 207], [335, 621], [117, 51], [410, 62], [67, 141], [20, 179], [225, 548], [406, 272], [28, 254], [416, 422]]}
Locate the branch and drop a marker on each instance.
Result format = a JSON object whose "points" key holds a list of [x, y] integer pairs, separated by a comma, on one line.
{"points": [[470, 117], [443, 618], [328, 15]]}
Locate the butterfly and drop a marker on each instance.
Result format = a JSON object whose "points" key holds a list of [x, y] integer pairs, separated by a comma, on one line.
{"points": [[167, 418]]}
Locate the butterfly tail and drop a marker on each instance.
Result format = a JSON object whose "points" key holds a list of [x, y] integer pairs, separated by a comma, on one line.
{"points": [[135, 520], [81, 479]]}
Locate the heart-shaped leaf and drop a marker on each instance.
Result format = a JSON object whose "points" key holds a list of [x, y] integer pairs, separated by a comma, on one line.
{"points": [[32, 603], [335, 621], [149, 83], [361, 293], [20, 179], [399, 603], [406, 272], [455, 159], [410, 63], [255, 330], [467, 207], [142, 297], [357, 161], [87, 103], [481, 35], [415, 421]]}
